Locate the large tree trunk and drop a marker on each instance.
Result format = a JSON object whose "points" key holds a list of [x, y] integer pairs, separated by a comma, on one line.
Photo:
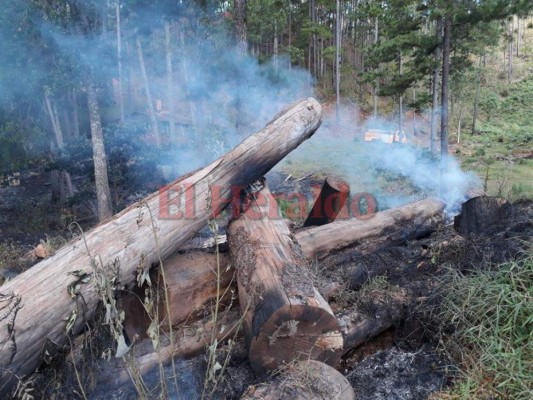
{"points": [[103, 194], [285, 318], [36, 304]]}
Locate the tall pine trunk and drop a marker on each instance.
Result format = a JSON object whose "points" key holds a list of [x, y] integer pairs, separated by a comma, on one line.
{"points": [[375, 86], [435, 89], [444, 92], [170, 82], [400, 113], [241, 28], [103, 194], [510, 64], [119, 62], [151, 110], [476, 98], [338, 60], [54, 120]]}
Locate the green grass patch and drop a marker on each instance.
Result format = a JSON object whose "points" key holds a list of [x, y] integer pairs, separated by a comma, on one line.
{"points": [[492, 313]]}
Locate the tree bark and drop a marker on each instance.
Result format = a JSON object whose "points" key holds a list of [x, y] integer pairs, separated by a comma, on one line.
{"points": [[193, 282], [285, 318], [153, 118], [241, 28], [329, 202], [305, 380], [35, 304], [103, 194]]}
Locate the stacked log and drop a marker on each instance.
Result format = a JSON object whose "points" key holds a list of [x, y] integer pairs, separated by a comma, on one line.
{"points": [[285, 318], [55, 297], [192, 277]]}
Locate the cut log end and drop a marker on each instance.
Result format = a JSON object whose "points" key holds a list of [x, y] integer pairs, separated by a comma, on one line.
{"points": [[296, 332]]}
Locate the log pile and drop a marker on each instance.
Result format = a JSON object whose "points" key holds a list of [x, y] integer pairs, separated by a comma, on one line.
{"points": [[263, 283]]}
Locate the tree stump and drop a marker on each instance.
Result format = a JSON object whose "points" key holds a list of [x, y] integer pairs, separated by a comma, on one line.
{"points": [[480, 213], [285, 318], [329, 203]]}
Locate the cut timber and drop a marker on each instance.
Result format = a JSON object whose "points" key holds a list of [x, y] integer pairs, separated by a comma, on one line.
{"points": [[285, 318], [329, 202], [36, 307], [396, 224], [356, 328], [191, 283], [304, 380], [194, 270], [480, 214], [191, 339]]}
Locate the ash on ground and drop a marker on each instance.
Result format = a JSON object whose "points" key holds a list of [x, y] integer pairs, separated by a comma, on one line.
{"points": [[393, 374]]}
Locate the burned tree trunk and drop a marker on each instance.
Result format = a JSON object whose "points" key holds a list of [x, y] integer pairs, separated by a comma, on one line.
{"points": [[305, 380], [329, 203], [285, 318], [41, 305], [394, 225], [481, 213]]}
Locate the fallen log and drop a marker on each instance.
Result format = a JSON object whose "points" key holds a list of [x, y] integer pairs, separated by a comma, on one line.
{"points": [[191, 286], [191, 339], [55, 297], [329, 202], [285, 318], [386, 227], [304, 380], [192, 281]]}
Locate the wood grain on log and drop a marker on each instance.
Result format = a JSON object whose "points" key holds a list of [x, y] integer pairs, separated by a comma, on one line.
{"points": [[36, 305], [285, 318]]}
